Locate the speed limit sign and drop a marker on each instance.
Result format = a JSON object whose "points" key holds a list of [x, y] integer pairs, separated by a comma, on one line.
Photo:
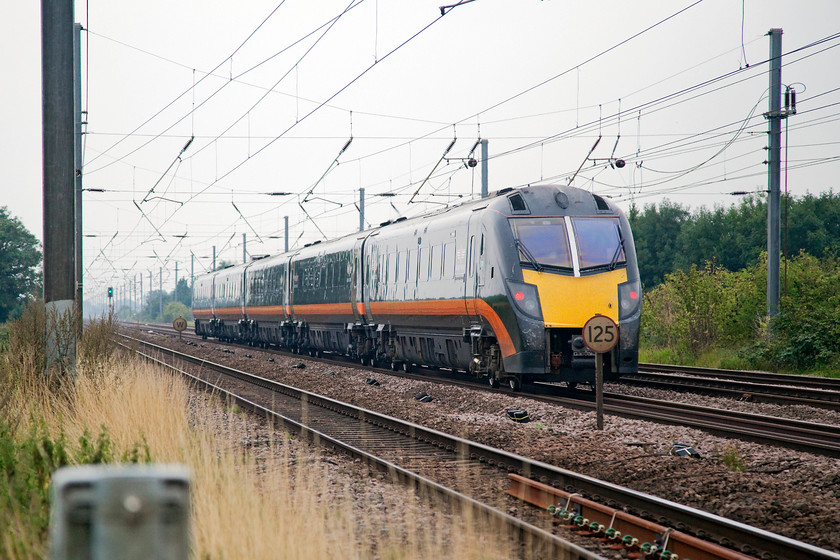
{"points": [[600, 334]]}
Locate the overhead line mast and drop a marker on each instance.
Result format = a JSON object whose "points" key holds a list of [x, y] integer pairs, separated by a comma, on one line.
{"points": [[775, 116], [59, 183]]}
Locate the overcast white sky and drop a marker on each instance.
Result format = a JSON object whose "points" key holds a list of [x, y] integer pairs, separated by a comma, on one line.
{"points": [[518, 73]]}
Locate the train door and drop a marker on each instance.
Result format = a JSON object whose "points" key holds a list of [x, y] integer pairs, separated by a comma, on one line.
{"points": [[472, 283], [286, 283], [212, 296], [357, 273], [243, 290]]}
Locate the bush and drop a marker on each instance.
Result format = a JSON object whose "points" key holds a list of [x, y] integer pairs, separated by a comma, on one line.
{"points": [[711, 314], [175, 309], [693, 311], [806, 332]]}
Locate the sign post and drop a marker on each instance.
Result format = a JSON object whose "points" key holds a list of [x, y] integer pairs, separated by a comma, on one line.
{"points": [[600, 334], [180, 325]]}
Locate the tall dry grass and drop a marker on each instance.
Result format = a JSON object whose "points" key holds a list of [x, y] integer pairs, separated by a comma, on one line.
{"points": [[286, 503]]}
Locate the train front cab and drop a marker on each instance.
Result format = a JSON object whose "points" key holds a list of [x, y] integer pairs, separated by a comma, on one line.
{"points": [[575, 264]]}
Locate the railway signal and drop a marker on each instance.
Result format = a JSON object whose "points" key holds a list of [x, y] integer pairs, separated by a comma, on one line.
{"points": [[600, 334]]}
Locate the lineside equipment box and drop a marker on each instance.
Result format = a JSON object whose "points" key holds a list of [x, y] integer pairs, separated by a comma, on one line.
{"points": [[127, 512]]}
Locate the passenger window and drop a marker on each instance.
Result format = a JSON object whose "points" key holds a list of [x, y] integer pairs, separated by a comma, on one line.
{"points": [[449, 260], [424, 264], [470, 256], [412, 266]]}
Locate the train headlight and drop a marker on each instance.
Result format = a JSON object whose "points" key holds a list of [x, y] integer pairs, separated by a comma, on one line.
{"points": [[526, 298], [629, 299]]}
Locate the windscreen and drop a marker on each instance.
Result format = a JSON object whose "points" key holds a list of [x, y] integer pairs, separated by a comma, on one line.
{"points": [[599, 242], [543, 240]]}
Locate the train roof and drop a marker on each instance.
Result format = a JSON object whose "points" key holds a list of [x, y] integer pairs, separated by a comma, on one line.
{"points": [[531, 200]]}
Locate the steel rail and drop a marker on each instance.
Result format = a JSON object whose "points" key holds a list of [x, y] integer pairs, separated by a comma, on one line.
{"points": [[756, 541], [821, 439], [763, 377], [740, 390]]}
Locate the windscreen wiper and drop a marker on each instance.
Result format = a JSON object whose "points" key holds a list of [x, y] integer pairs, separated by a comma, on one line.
{"points": [[618, 248], [524, 250]]}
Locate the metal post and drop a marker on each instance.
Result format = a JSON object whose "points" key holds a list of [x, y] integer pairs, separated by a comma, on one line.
{"points": [[141, 291], [151, 287], [192, 268], [361, 209], [77, 149], [244, 254], [599, 391], [58, 189], [286, 237], [774, 172], [160, 299], [214, 257], [484, 178]]}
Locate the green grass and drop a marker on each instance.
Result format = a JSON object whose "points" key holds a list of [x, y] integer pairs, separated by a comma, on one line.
{"points": [[723, 358], [731, 457]]}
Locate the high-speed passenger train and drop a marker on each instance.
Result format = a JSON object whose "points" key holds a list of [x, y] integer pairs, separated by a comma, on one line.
{"points": [[499, 287]]}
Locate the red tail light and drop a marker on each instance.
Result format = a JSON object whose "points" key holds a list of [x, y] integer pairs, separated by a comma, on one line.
{"points": [[519, 296], [634, 295]]}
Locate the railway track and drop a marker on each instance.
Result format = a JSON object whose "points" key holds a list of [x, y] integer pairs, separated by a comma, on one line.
{"points": [[809, 437], [828, 383], [418, 455], [775, 388]]}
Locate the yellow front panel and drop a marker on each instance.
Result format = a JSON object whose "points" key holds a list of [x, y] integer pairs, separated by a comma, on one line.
{"points": [[569, 301]]}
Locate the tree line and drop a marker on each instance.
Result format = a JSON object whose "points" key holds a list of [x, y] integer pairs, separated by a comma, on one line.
{"points": [[670, 237]]}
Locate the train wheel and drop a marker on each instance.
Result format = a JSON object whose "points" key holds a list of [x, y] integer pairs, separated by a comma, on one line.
{"points": [[494, 382], [514, 383], [394, 365], [406, 367]]}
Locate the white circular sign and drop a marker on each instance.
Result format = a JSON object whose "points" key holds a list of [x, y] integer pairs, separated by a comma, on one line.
{"points": [[600, 334], [179, 324]]}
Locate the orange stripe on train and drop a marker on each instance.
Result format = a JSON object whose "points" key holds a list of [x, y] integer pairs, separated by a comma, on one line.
{"points": [[449, 307]]}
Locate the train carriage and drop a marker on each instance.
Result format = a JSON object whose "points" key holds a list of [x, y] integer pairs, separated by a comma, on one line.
{"points": [[229, 302], [267, 301], [321, 302]]}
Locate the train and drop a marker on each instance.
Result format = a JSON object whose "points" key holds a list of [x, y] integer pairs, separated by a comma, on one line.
{"points": [[498, 287]]}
